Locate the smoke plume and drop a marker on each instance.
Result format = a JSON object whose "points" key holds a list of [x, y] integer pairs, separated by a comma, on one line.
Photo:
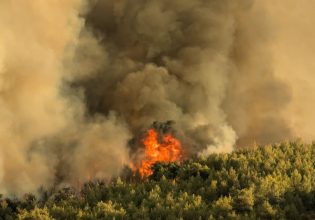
{"points": [[44, 131], [79, 79]]}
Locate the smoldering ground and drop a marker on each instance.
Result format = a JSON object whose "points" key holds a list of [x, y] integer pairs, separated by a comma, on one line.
{"points": [[79, 79]]}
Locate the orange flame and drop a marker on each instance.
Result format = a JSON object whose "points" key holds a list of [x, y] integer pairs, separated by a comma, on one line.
{"points": [[169, 150]]}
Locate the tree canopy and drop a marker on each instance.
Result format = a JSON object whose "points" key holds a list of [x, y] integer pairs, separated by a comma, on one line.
{"points": [[269, 182]]}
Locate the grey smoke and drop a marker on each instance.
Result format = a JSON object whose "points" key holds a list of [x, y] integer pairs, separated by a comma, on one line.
{"points": [[202, 64]]}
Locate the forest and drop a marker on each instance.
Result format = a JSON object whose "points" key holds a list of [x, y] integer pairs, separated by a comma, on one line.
{"points": [[265, 182]]}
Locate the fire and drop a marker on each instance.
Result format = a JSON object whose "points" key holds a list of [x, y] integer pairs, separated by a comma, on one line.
{"points": [[169, 150]]}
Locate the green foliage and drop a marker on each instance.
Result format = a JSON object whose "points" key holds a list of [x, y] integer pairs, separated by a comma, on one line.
{"points": [[109, 210], [223, 206], [35, 214], [244, 200], [271, 182]]}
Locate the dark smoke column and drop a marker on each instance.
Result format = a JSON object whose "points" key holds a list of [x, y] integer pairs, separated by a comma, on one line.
{"points": [[181, 61]]}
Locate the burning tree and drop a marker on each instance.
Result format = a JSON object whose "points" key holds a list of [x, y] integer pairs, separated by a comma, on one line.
{"points": [[159, 146]]}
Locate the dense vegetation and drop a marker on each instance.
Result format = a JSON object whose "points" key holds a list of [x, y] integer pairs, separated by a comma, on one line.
{"points": [[270, 182]]}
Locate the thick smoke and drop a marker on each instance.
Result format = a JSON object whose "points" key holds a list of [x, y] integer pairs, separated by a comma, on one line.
{"points": [[79, 79], [203, 64], [167, 61], [44, 131]]}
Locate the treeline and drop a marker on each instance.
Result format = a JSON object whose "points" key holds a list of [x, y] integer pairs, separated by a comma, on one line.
{"points": [[270, 182]]}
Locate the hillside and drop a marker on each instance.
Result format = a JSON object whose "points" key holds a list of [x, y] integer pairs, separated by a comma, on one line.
{"points": [[269, 182]]}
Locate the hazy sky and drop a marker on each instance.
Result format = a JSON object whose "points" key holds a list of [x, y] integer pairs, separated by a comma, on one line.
{"points": [[293, 47]]}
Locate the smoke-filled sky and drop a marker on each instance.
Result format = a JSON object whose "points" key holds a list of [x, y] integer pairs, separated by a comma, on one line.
{"points": [[79, 79]]}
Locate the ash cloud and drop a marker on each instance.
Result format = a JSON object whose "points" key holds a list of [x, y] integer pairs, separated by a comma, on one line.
{"points": [[44, 129], [203, 64], [80, 79]]}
